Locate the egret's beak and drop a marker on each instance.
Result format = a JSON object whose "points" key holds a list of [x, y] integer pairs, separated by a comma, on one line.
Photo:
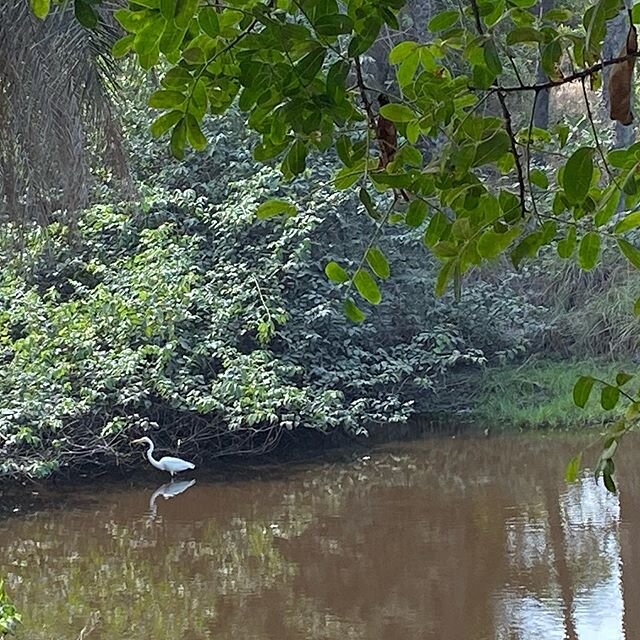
{"points": [[138, 441]]}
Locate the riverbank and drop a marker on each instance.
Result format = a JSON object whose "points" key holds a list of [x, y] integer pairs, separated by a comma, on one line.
{"points": [[538, 394], [530, 396]]}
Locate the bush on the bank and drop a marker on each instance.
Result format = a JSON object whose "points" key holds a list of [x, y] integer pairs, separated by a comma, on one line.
{"points": [[184, 316]]}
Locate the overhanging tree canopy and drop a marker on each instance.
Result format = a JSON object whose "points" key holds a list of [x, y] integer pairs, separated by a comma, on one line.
{"points": [[295, 67]]}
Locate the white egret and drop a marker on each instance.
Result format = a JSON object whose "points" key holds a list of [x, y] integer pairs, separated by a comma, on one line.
{"points": [[167, 463]]}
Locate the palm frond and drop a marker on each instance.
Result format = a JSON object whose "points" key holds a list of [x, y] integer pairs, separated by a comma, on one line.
{"points": [[57, 93]]}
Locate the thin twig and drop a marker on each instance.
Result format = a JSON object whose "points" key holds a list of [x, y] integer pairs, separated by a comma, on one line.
{"points": [[578, 75], [595, 135], [528, 153], [506, 114], [363, 93]]}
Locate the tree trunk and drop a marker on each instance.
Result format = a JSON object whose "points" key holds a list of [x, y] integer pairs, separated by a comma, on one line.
{"points": [[614, 41], [541, 111]]}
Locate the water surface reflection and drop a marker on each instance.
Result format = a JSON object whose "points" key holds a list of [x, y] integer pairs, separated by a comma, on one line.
{"points": [[167, 491], [451, 539]]}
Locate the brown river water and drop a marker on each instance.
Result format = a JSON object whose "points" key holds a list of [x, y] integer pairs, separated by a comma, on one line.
{"points": [[446, 538]]}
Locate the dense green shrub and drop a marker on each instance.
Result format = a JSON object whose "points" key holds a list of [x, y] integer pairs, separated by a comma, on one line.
{"points": [[181, 314]]}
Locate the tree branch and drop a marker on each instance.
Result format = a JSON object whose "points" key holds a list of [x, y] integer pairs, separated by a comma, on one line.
{"points": [[578, 75], [363, 93], [506, 114]]}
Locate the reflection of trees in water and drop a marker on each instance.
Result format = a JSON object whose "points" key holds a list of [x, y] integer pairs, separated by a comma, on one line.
{"points": [[146, 578], [569, 551], [439, 539]]}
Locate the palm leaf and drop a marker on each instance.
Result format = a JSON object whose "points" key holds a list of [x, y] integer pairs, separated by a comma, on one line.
{"points": [[58, 91]]}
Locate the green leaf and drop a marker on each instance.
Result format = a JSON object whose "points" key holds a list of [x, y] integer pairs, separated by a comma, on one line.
{"points": [[146, 41], [557, 15], [444, 275], [589, 250], [573, 468], [631, 253], [609, 482], [122, 46], [336, 77], [164, 99], [194, 134], [551, 54], [179, 139], [272, 208], [578, 173], [336, 273], [407, 70], [492, 149], [491, 57], [348, 176], [199, 101], [416, 213], [378, 263], [636, 307], [177, 78], [608, 205], [397, 113], [630, 221], [402, 50], [365, 198], [594, 21], [171, 38], [529, 246], [208, 20], [524, 34], [40, 8], [194, 55], [621, 158], [622, 378], [366, 286], [165, 122], [582, 390], [131, 21], [184, 12], [539, 178], [310, 65], [295, 159], [492, 244], [168, 9], [609, 448], [437, 226], [343, 148], [352, 311], [85, 14], [567, 245], [333, 24], [609, 397], [443, 20]]}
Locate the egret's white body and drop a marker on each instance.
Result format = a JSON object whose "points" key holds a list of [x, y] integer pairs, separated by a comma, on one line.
{"points": [[167, 463]]}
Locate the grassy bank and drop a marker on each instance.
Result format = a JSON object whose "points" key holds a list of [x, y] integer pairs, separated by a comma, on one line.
{"points": [[538, 394]]}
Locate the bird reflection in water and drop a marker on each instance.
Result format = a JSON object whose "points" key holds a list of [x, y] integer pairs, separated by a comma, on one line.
{"points": [[167, 490]]}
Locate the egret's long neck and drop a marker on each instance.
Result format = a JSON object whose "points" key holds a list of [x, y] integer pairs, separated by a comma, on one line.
{"points": [[150, 457]]}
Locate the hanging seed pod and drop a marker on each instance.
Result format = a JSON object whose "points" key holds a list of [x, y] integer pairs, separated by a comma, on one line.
{"points": [[621, 80], [387, 136]]}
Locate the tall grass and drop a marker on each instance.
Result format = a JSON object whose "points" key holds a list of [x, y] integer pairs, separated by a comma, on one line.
{"points": [[591, 313], [538, 394]]}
